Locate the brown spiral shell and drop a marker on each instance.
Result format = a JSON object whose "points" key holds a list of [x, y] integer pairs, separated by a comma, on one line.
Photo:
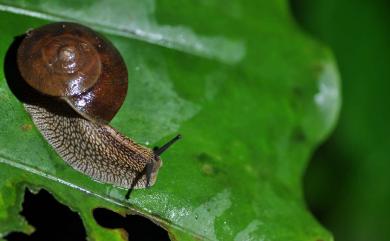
{"points": [[73, 62]]}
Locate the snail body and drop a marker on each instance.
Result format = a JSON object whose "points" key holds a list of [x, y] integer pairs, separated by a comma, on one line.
{"points": [[93, 148], [81, 82]]}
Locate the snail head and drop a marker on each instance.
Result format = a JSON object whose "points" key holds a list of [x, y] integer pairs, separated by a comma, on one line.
{"points": [[149, 168]]}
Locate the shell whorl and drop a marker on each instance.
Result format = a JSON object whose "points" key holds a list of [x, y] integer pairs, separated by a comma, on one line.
{"points": [[75, 63], [63, 65], [93, 148]]}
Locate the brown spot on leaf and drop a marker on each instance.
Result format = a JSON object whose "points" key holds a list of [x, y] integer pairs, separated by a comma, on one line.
{"points": [[298, 135], [208, 169], [26, 127]]}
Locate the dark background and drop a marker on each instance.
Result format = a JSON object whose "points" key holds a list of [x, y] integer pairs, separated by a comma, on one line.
{"points": [[59, 223], [347, 183]]}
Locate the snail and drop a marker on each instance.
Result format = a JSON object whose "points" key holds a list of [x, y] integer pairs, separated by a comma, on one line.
{"points": [[80, 80]]}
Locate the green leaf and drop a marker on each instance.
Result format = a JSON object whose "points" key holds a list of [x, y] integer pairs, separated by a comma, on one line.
{"points": [[251, 94]]}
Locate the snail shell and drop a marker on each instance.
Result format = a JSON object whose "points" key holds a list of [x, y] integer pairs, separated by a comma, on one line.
{"points": [[72, 62], [82, 82]]}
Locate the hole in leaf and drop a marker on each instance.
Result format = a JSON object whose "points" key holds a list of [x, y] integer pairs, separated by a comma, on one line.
{"points": [[138, 227], [51, 219]]}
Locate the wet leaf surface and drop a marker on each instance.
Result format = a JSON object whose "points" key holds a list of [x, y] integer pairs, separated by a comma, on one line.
{"points": [[251, 94]]}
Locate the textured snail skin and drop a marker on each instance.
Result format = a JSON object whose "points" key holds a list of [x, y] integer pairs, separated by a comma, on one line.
{"points": [[73, 117], [95, 149]]}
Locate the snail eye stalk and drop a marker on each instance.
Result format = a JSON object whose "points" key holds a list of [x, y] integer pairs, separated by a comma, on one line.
{"points": [[159, 150]]}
